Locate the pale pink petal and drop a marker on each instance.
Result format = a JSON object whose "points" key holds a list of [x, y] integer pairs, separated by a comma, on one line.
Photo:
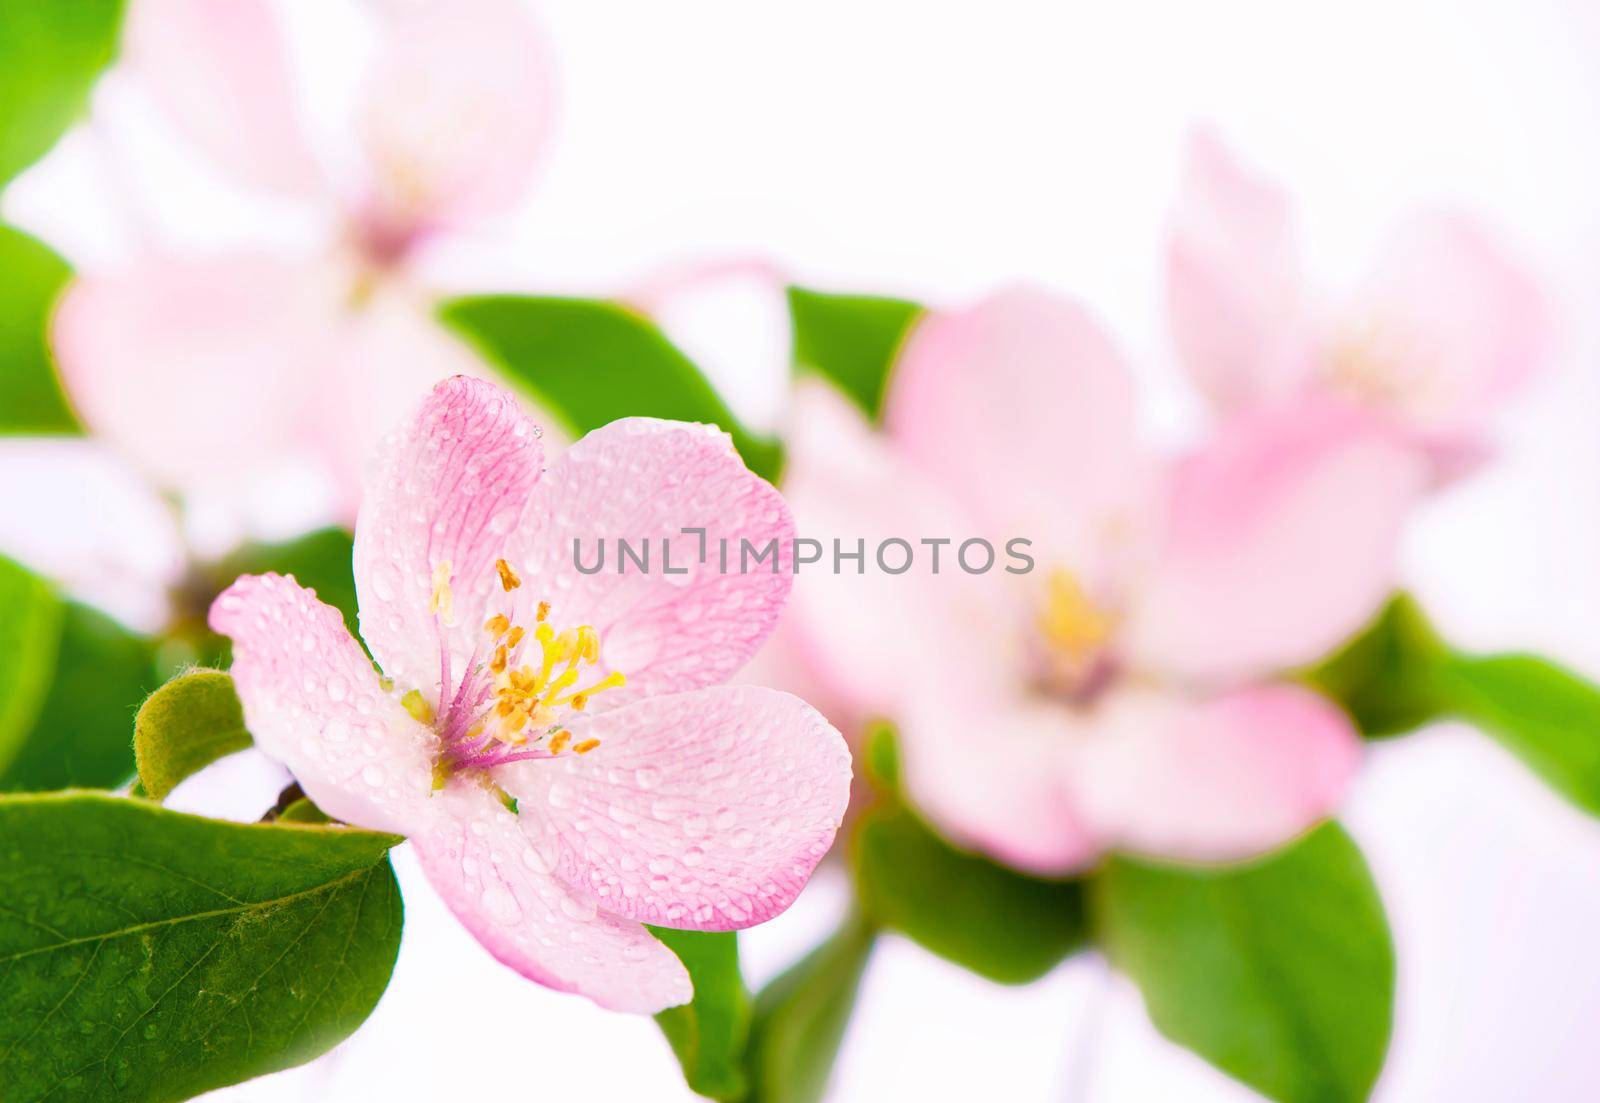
{"points": [[1447, 327], [1214, 779], [1022, 409], [313, 701], [644, 481], [993, 772], [859, 628], [449, 487], [1233, 282], [198, 369], [1281, 541], [493, 868], [221, 71], [704, 810], [76, 513], [457, 112]]}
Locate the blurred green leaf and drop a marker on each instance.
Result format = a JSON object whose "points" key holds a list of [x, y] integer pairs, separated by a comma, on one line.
{"points": [[709, 1033], [151, 956], [30, 630], [1388, 677], [185, 726], [50, 53], [851, 340], [1280, 972], [80, 732], [800, 1018], [31, 400], [998, 923], [1546, 716], [589, 362], [302, 810]]}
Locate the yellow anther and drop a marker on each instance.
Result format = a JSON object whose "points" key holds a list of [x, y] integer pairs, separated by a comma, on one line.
{"points": [[508, 578], [559, 741], [497, 625], [579, 700], [588, 645], [514, 638], [417, 705], [586, 746], [498, 664], [441, 601], [544, 611], [1071, 621]]}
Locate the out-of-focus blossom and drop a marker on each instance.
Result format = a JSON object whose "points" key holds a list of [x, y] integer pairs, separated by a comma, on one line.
{"points": [[556, 743], [1120, 694], [77, 515], [209, 370], [1441, 332]]}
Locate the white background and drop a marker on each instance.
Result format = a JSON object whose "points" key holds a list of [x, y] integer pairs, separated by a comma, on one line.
{"points": [[936, 150]]}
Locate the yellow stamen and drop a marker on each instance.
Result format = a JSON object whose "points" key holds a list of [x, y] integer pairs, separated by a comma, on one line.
{"points": [[441, 602], [586, 746], [544, 611], [559, 741], [514, 638], [497, 625], [1071, 621], [417, 705], [508, 578], [498, 663]]}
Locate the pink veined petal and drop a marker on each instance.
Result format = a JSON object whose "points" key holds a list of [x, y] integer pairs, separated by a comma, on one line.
{"points": [[457, 112], [862, 630], [493, 868], [110, 539], [450, 486], [1281, 541], [313, 702], [1233, 282], [995, 773], [1452, 324], [645, 480], [198, 369], [1214, 779], [704, 810], [1022, 409], [222, 73]]}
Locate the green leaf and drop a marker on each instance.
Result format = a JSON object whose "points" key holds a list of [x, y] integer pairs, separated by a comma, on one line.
{"points": [[50, 54], [1280, 972], [709, 1033], [1388, 677], [31, 400], [1546, 716], [851, 340], [185, 726], [30, 629], [982, 916], [151, 956], [303, 810], [800, 1018], [80, 732], [590, 362]]}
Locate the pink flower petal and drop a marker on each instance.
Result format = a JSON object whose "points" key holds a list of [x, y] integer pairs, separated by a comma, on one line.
{"points": [[641, 479], [1233, 282], [1217, 779], [995, 774], [456, 112], [1455, 321], [448, 487], [1281, 541], [222, 73], [200, 369], [493, 869], [1022, 408], [704, 810], [846, 484], [312, 701]]}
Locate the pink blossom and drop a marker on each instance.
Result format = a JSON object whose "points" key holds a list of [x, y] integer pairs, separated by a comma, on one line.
{"points": [[1443, 330], [210, 369], [645, 791], [1125, 692]]}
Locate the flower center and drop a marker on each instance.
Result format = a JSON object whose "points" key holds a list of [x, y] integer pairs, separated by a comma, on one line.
{"points": [[1379, 364], [1074, 633], [516, 704]]}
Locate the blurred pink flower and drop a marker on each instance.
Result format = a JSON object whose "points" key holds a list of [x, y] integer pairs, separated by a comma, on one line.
{"points": [[211, 370], [655, 797], [1443, 330], [1121, 694]]}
